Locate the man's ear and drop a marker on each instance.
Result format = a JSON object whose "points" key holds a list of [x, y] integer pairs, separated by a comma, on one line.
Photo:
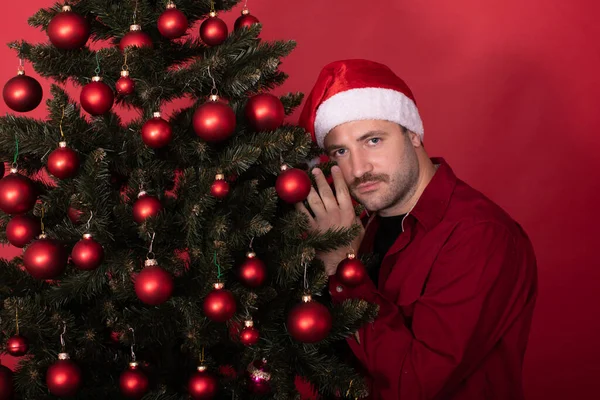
{"points": [[415, 139]]}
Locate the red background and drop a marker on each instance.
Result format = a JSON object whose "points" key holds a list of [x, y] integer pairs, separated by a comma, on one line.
{"points": [[509, 91]]}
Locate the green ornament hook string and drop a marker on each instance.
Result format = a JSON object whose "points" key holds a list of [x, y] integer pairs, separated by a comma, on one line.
{"points": [[14, 164], [218, 267]]}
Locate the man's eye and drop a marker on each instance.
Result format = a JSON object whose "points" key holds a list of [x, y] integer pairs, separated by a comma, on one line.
{"points": [[374, 140], [339, 152]]}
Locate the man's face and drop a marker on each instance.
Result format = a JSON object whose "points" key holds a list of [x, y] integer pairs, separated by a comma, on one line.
{"points": [[378, 161]]}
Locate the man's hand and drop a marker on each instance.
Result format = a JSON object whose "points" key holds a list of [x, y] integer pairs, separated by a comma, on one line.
{"points": [[331, 212]]}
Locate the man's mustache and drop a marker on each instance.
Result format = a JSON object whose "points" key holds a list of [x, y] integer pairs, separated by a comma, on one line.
{"points": [[369, 178]]}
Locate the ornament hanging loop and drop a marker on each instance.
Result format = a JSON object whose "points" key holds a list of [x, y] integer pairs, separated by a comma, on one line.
{"points": [[42, 210], [60, 126], [97, 70], [125, 67], [213, 92], [62, 336], [21, 68], [135, 12], [250, 246], [212, 6], [151, 255], [17, 319], [87, 225], [305, 264], [132, 344]]}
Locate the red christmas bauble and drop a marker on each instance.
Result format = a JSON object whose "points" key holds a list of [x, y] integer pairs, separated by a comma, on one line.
{"points": [[172, 23], [220, 304], [22, 93], [22, 229], [156, 132], [96, 97], [17, 194], [245, 20], [292, 185], [63, 378], [125, 85], [309, 321], [220, 187], [351, 271], [258, 377], [135, 37], [133, 382], [146, 206], [68, 30], [249, 335], [17, 346], [253, 271], [63, 162], [74, 215], [265, 112], [214, 121], [45, 258], [87, 254], [213, 30], [154, 285], [7, 386], [203, 385]]}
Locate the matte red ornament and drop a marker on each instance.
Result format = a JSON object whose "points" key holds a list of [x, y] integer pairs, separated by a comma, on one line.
{"points": [[146, 206], [253, 271], [220, 304], [265, 112], [351, 271], [292, 185], [63, 162], [125, 85], [245, 20], [156, 132], [17, 346], [45, 258], [154, 285], [74, 215], [68, 30], [63, 378], [203, 385], [172, 23], [17, 193], [259, 377], [22, 93], [96, 97], [87, 254], [136, 38], [309, 321], [220, 187], [214, 121], [213, 30], [133, 382], [249, 335], [22, 229], [7, 388]]}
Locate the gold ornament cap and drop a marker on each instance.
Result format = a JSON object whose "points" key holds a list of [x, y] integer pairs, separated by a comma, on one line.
{"points": [[201, 368], [42, 236], [87, 235], [142, 193], [124, 73], [63, 356], [213, 14], [150, 262], [245, 11], [214, 97], [249, 323], [66, 8], [351, 256], [306, 298], [219, 285], [171, 5], [133, 364], [156, 114], [135, 28], [20, 72], [62, 144], [13, 170], [284, 167], [250, 254], [220, 177], [96, 78]]}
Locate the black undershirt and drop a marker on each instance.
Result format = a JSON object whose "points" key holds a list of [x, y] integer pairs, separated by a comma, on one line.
{"points": [[388, 231]]}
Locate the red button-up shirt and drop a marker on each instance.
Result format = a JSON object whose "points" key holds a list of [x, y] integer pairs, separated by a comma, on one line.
{"points": [[456, 296]]}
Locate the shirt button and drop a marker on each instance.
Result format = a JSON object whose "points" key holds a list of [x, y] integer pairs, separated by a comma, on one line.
{"points": [[339, 288]]}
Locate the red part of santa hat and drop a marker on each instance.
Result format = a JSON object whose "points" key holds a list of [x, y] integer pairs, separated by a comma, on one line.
{"points": [[353, 90]]}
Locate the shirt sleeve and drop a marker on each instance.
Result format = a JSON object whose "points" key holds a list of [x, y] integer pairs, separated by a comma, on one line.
{"points": [[471, 295]]}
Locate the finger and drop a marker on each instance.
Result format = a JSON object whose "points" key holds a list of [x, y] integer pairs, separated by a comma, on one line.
{"points": [[316, 204], [300, 207], [325, 190], [342, 194]]}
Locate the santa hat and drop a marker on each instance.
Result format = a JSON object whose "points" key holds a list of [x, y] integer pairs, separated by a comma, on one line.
{"points": [[353, 90]]}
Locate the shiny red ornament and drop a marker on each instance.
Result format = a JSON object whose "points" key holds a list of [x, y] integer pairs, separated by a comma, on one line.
{"points": [[213, 30], [259, 377], [68, 30], [133, 382], [292, 185], [87, 254], [309, 321], [220, 304], [253, 271], [17, 193], [154, 285], [125, 85], [17, 346], [63, 162], [245, 20], [97, 97], [351, 271], [7, 386], [45, 258], [214, 121], [136, 38], [265, 112], [63, 378], [220, 187], [22, 93], [249, 335], [22, 229], [203, 385], [172, 23], [146, 206], [156, 132]]}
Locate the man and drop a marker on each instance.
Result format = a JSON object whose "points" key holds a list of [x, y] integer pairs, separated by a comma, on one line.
{"points": [[457, 283]]}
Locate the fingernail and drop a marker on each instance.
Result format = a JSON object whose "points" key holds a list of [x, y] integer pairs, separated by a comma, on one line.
{"points": [[335, 168], [316, 171]]}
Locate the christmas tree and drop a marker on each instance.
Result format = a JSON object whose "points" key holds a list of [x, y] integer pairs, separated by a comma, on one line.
{"points": [[163, 257]]}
